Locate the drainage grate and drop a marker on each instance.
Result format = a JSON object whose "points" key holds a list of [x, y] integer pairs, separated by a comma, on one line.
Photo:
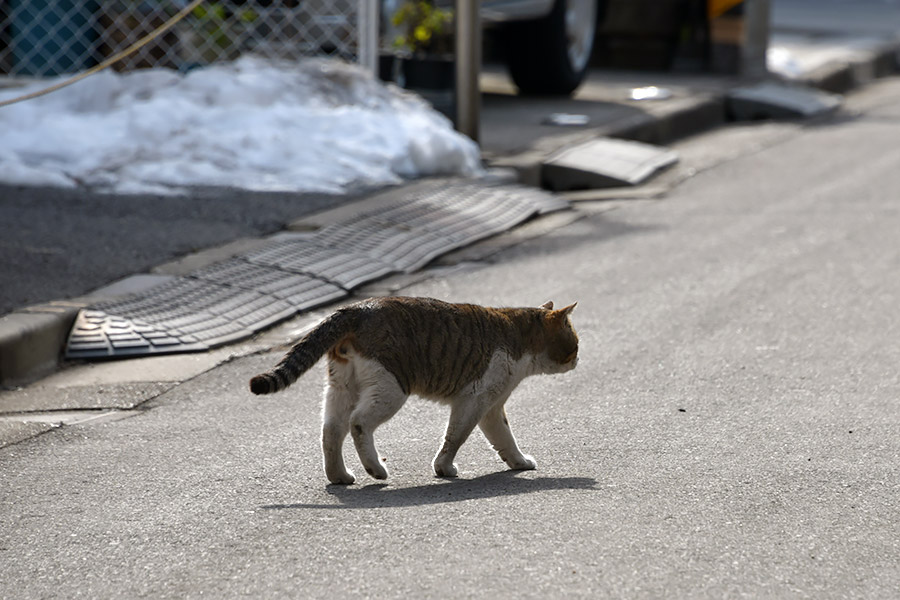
{"points": [[406, 250], [301, 292], [184, 314], [215, 305], [237, 297], [345, 268]]}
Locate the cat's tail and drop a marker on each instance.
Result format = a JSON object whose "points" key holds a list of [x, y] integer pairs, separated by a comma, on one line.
{"points": [[305, 353]]}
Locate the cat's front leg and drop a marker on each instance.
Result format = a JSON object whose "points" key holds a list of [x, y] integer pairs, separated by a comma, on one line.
{"points": [[464, 415], [495, 427]]}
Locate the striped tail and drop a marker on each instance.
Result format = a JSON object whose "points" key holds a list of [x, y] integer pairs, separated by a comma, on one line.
{"points": [[305, 353]]}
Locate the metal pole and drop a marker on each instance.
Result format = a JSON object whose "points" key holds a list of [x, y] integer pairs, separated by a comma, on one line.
{"points": [[756, 38], [468, 67], [367, 18]]}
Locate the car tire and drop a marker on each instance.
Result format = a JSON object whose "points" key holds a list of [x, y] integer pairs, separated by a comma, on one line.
{"points": [[551, 55]]}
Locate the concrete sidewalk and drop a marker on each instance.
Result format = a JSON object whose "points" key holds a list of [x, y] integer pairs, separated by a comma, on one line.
{"points": [[518, 132]]}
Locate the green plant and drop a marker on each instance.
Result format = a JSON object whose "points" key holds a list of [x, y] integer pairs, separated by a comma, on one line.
{"points": [[222, 27], [427, 29]]}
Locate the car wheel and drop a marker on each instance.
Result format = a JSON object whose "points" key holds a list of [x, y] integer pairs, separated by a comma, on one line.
{"points": [[551, 55]]}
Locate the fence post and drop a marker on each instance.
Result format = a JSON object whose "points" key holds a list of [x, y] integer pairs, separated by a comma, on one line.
{"points": [[367, 21], [468, 67]]}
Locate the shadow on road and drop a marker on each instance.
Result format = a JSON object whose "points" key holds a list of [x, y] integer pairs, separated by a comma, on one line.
{"points": [[381, 495]]}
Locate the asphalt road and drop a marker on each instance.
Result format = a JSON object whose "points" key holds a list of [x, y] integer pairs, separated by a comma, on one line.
{"points": [[59, 243], [732, 429]]}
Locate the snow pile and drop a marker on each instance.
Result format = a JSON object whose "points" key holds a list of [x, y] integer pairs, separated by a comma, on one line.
{"points": [[253, 124]]}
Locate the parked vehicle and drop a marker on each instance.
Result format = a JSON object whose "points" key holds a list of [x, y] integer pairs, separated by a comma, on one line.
{"points": [[546, 44]]}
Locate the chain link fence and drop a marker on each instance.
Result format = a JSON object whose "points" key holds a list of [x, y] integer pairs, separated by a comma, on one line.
{"points": [[40, 38]]}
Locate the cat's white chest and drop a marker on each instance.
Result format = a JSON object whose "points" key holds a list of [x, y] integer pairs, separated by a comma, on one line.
{"points": [[502, 375]]}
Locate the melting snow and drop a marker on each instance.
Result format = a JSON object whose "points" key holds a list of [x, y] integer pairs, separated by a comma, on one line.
{"points": [[253, 124]]}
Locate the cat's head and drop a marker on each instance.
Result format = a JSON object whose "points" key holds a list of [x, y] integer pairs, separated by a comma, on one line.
{"points": [[561, 341]]}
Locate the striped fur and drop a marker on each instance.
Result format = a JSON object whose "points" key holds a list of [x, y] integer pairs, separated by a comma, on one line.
{"points": [[306, 352], [384, 349]]}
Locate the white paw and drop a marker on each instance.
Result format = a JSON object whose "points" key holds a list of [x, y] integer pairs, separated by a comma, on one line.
{"points": [[345, 478], [377, 471], [445, 470], [525, 463]]}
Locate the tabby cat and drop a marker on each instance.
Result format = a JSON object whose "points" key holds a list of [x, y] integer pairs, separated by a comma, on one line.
{"points": [[468, 356]]}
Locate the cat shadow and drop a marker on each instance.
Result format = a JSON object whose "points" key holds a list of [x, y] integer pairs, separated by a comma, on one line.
{"points": [[381, 495]]}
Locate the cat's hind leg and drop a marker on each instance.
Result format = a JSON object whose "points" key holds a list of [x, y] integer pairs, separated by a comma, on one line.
{"points": [[380, 398], [495, 427], [340, 397]]}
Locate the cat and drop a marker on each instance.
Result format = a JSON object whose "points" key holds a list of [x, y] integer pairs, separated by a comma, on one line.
{"points": [[382, 350]]}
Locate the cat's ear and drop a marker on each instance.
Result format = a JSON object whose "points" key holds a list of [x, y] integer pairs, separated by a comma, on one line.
{"points": [[561, 314], [547, 305], [565, 312]]}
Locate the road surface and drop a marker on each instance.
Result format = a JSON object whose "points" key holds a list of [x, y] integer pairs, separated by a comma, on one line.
{"points": [[732, 429]]}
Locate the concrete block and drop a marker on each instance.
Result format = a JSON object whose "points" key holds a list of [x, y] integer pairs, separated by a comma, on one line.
{"points": [[605, 162], [773, 100]]}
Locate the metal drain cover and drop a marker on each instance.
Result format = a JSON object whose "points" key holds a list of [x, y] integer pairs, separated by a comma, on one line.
{"points": [[234, 298], [301, 292], [346, 268], [184, 314], [406, 249]]}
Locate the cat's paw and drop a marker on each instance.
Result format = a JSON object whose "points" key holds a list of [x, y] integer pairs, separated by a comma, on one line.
{"points": [[345, 478], [448, 470], [525, 463], [377, 471]]}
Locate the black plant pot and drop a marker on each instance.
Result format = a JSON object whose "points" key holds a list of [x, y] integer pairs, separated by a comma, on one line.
{"points": [[431, 77], [386, 66]]}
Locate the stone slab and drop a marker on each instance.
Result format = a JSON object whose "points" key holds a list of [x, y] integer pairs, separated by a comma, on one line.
{"points": [[605, 162], [775, 100]]}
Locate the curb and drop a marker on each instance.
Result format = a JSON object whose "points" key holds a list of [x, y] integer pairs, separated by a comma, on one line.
{"points": [[33, 338], [697, 114], [841, 77]]}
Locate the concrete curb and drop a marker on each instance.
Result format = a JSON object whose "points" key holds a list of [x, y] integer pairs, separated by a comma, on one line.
{"points": [[32, 339], [842, 76], [707, 111], [694, 115]]}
